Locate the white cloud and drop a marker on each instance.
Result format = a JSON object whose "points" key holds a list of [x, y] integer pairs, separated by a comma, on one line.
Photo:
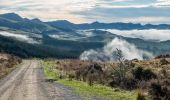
{"points": [[120, 0], [151, 34], [158, 4], [70, 9], [162, 3], [127, 6], [48, 10], [155, 20], [107, 52], [19, 37]]}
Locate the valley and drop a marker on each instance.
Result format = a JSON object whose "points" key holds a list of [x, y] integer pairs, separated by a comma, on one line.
{"points": [[31, 37], [60, 60]]}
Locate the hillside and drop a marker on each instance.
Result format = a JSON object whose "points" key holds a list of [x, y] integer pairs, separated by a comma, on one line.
{"points": [[31, 37], [14, 21]]}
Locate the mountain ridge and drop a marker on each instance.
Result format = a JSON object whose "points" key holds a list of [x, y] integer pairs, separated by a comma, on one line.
{"points": [[66, 25], [68, 40]]}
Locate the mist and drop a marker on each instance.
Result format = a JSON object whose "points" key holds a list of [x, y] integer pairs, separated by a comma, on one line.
{"points": [[19, 37], [106, 53], [150, 34]]}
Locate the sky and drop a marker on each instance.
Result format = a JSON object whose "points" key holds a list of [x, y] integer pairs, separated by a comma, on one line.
{"points": [[85, 11]]}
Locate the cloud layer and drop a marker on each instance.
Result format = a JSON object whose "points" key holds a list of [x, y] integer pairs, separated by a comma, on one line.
{"points": [[78, 11], [151, 34], [19, 37], [107, 52]]}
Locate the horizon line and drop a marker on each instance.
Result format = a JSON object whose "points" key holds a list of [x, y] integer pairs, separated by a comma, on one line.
{"points": [[84, 22]]}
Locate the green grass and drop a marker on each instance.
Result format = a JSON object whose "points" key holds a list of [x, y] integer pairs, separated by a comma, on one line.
{"points": [[50, 71], [99, 90], [83, 88]]}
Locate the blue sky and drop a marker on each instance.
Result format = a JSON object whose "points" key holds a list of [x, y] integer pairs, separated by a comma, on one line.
{"points": [[82, 11]]}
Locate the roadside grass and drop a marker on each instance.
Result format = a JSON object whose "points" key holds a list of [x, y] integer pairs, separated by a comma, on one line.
{"points": [[50, 71], [99, 90], [83, 88]]}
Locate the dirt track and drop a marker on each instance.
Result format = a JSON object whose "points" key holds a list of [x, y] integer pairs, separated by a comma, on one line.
{"points": [[27, 82]]}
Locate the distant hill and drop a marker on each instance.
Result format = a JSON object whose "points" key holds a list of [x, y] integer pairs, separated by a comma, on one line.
{"points": [[12, 17], [63, 39], [14, 21], [98, 25], [63, 24]]}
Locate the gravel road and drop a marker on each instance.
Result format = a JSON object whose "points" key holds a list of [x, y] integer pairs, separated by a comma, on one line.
{"points": [[27, 82]]}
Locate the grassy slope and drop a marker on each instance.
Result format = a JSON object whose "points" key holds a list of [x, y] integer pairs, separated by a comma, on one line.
{"points": [[84, 89]]}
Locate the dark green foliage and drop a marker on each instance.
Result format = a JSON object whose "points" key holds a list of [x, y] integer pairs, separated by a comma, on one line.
{"points": [[50, 48], [71, 76], [76, 46], [120, 71], [162, 56], [143, 74], [127, 83], [160, 89], [161, 48], [140, 96]]}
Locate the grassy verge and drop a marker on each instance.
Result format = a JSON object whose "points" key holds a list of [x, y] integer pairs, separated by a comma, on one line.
{"points": [[83, 88]]}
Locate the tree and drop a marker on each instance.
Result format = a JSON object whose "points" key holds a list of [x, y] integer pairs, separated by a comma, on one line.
{"points": [[121, 70]]}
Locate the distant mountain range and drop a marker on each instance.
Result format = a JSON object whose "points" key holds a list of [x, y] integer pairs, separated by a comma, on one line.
{"points": [[98, 25], [14, 21], [62, 39]]}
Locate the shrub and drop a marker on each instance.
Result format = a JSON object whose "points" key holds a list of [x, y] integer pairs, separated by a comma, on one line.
{"points": [[92, 73], [163, 56], [163, 61], [90, 79], [140, 96], [122, 67], [148, 74], [143, 74], [121, 72], [163, 73], [127, 83], [160, 89], [71, 76], [137, 73]]}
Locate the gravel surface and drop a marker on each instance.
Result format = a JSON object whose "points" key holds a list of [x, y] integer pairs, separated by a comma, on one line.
{"points": [[27, 82]]}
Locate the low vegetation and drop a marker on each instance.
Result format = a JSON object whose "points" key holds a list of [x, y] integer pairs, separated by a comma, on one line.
{"points": [[7, 63], [131, 80], [160, 89], [55, 73]]}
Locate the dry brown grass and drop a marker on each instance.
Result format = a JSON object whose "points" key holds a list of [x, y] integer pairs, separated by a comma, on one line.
{"points": [[7, 63], [154, 66], [72, 64]]}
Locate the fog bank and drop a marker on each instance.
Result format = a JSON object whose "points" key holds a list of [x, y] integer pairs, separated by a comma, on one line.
{"points": [[107, 52], [19, 37], [150, 34]]}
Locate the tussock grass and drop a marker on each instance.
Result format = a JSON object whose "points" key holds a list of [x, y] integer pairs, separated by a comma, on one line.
{"points": [[82, 88]]}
